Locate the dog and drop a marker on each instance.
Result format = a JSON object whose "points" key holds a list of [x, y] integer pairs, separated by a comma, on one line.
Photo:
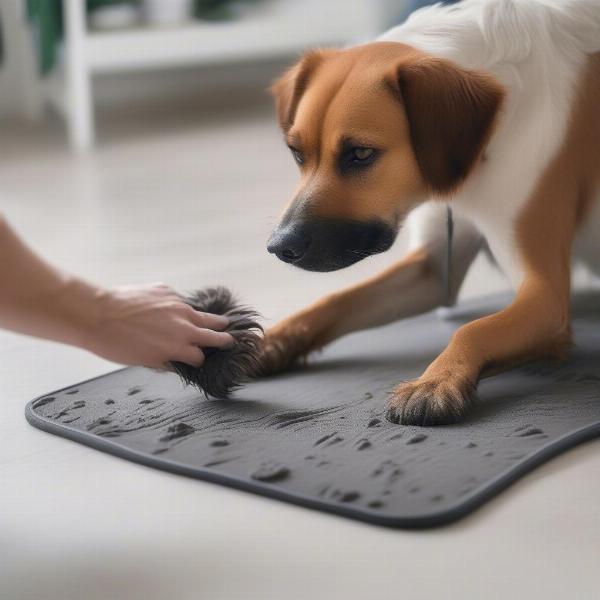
{"points": [[488, 107]]}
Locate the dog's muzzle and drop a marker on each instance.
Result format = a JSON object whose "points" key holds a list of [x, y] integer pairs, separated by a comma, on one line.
{"points": [[321, 244]]}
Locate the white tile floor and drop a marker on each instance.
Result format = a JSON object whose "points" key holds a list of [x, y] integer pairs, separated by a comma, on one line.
{"points": [[186, 193]]}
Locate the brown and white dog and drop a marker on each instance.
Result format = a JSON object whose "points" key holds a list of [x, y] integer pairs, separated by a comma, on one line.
{"points": [[491, 107]]}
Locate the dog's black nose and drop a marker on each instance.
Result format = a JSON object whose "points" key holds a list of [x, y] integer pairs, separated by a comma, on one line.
{"points": [[289, 246], [328, 244]]}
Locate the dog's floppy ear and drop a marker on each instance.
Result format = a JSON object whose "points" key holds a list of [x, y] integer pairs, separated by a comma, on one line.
{"points": [[451, 113], [288, 89]]}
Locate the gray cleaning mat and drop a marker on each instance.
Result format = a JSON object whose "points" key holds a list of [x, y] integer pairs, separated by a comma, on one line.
{"points": [[318, 436]]}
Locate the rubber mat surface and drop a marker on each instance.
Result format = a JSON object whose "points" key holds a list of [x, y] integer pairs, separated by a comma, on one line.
{"points": [[318, 436]]}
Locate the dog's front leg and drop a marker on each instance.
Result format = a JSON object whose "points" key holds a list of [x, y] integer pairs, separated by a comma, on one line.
{"points": [[414, 285], [407, 288], [536, 324]]}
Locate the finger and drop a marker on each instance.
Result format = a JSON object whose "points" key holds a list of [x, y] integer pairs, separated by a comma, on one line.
{"points": [[209, 320], [207, 338], [191, 355]]}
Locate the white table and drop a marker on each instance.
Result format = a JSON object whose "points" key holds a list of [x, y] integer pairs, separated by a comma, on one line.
{"points": [[274, 28]]}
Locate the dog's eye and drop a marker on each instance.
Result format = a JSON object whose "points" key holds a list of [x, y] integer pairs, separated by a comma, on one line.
{"points": [[357, 159], [362, 154], [297, 155]]}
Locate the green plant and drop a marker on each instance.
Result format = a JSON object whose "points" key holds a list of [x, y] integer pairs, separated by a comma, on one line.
{"points": [[217, 10]]}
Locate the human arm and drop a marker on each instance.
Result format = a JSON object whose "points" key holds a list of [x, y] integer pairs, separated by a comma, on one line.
{"points": [[136, 325]]}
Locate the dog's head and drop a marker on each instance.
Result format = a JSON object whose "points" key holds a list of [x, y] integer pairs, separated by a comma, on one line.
{"points": [[375, 130]]}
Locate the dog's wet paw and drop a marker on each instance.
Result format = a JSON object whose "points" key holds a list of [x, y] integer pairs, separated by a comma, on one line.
{"points": [[439, 400], [282, 347]]}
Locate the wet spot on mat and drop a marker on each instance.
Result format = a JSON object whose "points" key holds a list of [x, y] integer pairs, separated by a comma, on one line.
{"points": [[395, 474], [471, 445], [159, 450], [219, 443], [437, 498], [529, 431], [522, 427], [43, 401], [376, 504], [109, 401], [147, 401], [389, 469], [216, 463], [177, 430], [345, 496], [489, 454], [133, 391], [363, 444], [72, 392], [379, 470], [417, 439], [368, 396], [270, 472], [329, 439], [349, 497], [78, 404], [322, 491], [112, 433], [374, 423], [99, 422]]}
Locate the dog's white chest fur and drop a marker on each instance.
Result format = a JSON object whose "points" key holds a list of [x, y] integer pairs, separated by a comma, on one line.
{"points": [[537, 49]]}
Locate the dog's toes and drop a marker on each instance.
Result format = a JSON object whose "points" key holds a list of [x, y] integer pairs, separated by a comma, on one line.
{"points": [[432, 401]]}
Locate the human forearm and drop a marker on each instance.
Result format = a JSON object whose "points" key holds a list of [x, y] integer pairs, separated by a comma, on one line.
{"points": [[39, 299], [148, 325]]}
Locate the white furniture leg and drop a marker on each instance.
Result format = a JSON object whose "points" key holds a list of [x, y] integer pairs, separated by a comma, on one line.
{"points": [[79, 110], [20, 65]]}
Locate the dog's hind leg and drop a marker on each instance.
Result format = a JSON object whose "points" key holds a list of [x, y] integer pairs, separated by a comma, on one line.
{"points": [[419, 282]]}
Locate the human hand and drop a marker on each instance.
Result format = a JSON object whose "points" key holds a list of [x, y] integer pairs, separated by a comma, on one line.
{"points": [[151, 325]]}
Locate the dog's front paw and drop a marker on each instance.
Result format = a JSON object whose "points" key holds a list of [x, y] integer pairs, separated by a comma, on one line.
{"points": [[284, 345], [431, 400]]}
